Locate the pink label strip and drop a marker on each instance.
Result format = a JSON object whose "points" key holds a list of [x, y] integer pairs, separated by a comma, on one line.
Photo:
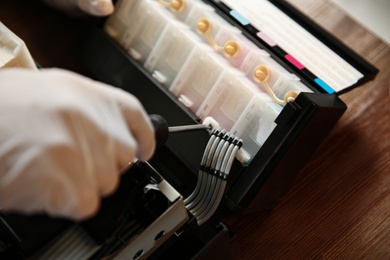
{"points": [[294, 61]]}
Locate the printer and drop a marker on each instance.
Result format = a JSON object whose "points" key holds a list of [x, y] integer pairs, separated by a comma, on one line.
{"points": [[261, 76]]}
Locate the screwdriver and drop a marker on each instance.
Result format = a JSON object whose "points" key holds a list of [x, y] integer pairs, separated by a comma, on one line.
{"points": [[162, 130]]}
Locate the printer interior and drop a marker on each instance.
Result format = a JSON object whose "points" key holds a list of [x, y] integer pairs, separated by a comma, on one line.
{"points": [[189, 61]]}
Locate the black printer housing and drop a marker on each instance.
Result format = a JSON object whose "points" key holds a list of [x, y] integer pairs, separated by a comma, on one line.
{"points": [[300, 128]]}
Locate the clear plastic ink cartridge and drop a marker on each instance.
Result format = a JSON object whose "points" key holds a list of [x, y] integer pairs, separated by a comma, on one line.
{"points": [[256, 122], [228, 98], [197, 76], [288, 82], [138, 27], [171, 52], [155, 19], [123, 19], [258, 58]]}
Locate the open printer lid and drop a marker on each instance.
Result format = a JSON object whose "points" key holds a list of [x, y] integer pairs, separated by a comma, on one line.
{"points": [[316, 56]]}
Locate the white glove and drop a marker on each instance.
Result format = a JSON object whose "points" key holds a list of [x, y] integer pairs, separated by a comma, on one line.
{"points": [[93, 7], [64, 140]]}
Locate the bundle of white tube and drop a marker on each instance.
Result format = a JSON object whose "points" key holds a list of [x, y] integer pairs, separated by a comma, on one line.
{"points": [[215, 167]]}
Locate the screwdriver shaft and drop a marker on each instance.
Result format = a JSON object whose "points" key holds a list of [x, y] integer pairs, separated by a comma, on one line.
{"points": [[187, 128]]}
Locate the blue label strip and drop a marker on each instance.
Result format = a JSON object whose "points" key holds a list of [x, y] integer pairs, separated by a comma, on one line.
{"points": [[323, 85], [239, 17]]}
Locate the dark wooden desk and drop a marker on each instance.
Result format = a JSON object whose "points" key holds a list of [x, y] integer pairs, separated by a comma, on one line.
{"points": [[339, 206]]}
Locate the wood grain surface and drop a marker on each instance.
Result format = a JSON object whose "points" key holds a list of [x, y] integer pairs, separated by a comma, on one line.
{"points": [[339, 206]]}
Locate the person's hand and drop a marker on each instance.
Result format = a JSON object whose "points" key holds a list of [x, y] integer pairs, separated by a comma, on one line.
{"points": [[92, 7], [64, 140]]}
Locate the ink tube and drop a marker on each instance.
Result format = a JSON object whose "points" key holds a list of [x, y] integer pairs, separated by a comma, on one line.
{"points": [[236, 43], [256, 122], [196, 11], [211, 22], [197, 76], [221, 31], [228, 98], [237, 47]]}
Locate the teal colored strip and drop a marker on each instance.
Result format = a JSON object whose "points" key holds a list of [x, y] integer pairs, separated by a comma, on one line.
{"points": [[323, 85], [239, 17]]}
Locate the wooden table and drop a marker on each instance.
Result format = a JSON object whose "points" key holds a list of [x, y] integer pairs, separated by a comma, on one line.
{"points": [[339, 206]]}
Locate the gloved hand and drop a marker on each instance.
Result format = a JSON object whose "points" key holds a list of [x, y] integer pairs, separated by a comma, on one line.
{"points": [[64, 140], [92, 7]]}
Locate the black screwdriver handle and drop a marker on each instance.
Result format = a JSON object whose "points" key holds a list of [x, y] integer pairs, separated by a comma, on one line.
{"points": [[161, 129]]}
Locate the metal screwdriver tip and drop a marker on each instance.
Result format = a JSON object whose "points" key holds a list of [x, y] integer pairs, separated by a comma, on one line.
{"points": [[187, 128]]}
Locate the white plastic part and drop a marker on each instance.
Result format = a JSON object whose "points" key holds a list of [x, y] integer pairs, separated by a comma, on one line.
{"points": [[13, 50], [135, 54], [209, 121], [242, 156], [159, 77], [186, 101]]}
